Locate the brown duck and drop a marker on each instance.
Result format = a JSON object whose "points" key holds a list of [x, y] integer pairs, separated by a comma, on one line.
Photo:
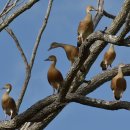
{"points": [[8, 103], [54, 76], [109, 57], [70, 50], [118, 83], [85, 27]]}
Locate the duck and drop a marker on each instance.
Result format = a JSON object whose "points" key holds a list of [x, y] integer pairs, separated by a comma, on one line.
{"points": [[8, 103], [109, 57], [86, 26], [54, 76], [118, 83], [70, 50]]}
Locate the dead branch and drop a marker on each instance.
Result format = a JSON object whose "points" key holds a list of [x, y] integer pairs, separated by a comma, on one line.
{"points": [[100, 79], [28, 71], [98, 103], [105, 13], [22, 9], [11, 33]]}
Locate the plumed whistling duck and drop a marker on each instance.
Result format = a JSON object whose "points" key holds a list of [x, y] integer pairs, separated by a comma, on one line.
{"points": [[118, 83], [71, 51], [8, 103], [109, 57], [85, 27], [54, 76]]}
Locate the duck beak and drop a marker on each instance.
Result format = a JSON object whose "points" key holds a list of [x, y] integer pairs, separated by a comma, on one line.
{"points": [[2, 88], [49, 49], [96, 9], [46, 59]]}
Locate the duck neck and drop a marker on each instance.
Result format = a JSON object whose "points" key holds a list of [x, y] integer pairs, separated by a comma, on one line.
{"points": [[53, 63], [88, 16], [120, 73], [6, 94], [59, 45], [8, 91], [111, 47]]}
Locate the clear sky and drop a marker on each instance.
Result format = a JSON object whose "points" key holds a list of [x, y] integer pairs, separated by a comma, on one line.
{"points": [[62, 27]]}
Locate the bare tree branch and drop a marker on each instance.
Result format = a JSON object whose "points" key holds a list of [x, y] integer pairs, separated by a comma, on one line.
{"points": [[120, 18], [98, 46], [16, 122], [11, 33], [43, 112], [25, 7], [45, 122], [6, 8], [126, 28], [118, 23], [99, 14], [113, 39], [108, 15], [40, 33], [108, 105], [90, 40], [28, 72], [28, 114], [100, 79], [9, 7]]}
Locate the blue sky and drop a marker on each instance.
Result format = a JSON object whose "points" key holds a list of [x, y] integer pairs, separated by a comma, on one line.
{"points": [[62, 27]]}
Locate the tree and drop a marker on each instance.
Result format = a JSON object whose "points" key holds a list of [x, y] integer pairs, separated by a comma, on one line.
{"points": [[74, 89]]}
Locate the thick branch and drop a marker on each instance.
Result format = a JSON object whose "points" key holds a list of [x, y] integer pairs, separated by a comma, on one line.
{"points": [[118, 22], [90, 40], [28, 114], [54, 107], [76, 66], [108, 105], [126, 27], [100, 79], [98, 46], [44, 123], [116, 40], [43, 113]]}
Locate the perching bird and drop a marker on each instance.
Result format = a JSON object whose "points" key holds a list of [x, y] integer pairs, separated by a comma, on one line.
{"points": [[8, 103], [118, 83], [85, 27], [71, 51], [109, 57], [54, 76]]}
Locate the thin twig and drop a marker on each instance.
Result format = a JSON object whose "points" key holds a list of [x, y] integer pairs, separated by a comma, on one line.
{"points": [[108, 15], [11, 33], [28, 73], [40, 33], [8, 8], [5, 7], [99, 14], [23, 8]]}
